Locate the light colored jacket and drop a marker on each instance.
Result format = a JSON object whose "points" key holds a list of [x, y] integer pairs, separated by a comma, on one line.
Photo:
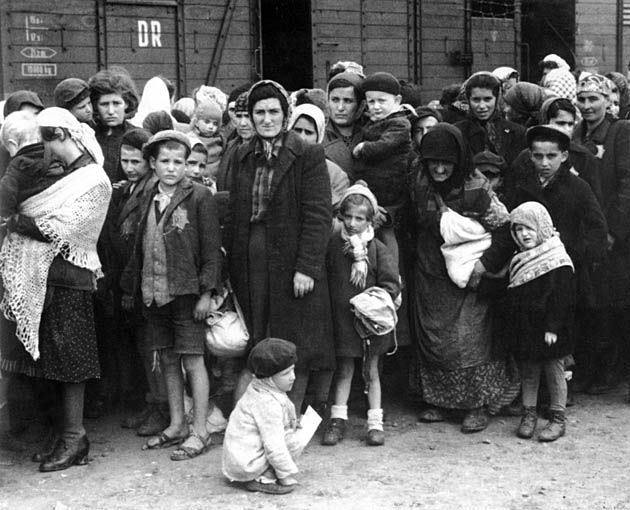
{"points": [[261, 434]]}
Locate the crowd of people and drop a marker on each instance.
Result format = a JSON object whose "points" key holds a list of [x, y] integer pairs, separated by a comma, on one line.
{"points": [[468, 244]]}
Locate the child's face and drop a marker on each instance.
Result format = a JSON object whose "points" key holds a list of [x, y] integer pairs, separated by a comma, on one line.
{"points": [[355, 219], [196, 165], [526, 237], [381, 104], [284, 380], [170, 165], [440, 171], [83, 110], [482, 102], [547, 158], [613, 107], [564, 121], [206, 126], [132, 162], [305, 129]]}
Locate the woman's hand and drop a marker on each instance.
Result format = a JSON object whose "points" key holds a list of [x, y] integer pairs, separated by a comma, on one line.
{"points": [[550, 338], [119, 184], [611, 241], [302, 284], [203, 307], [478, 271]]}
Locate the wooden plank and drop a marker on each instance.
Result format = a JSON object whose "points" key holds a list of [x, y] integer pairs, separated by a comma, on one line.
{"points": [[399, 6], [391, 45], [338, 17], [385, 18], [336, 5], [339, 32], [238, 57]]}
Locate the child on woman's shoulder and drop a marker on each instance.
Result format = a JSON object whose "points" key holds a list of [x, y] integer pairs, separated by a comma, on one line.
{"points": [[541, 296], [356, 260], [260, 444]]}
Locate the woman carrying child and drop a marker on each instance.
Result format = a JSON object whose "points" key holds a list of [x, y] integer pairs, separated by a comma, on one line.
{"points": [[541, 297], [356, 260]]}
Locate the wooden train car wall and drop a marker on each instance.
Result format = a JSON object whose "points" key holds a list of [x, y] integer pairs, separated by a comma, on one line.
{"points": [[43, 42], [220, 42]]}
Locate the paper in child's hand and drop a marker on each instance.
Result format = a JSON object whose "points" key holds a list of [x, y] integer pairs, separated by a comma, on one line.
{"points": [[308, 425]]}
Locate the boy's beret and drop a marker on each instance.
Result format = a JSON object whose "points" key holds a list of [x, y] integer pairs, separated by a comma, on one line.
{"points": [[270, 356], [381, 82], [165, 136], [490, 162]]}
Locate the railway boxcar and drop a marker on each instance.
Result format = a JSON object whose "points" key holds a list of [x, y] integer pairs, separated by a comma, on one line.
{"points": [[230, 42]]}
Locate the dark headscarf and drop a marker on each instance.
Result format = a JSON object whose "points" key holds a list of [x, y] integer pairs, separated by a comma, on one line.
{"points": [[444, 142], [157, 121], [526, 100], [266, 89]]}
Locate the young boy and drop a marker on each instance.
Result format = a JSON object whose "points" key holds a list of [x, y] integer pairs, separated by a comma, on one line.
{"points": [[381, 158], [126, 209], [355, 262], [197, 160], [176, 269], [260, 445]]}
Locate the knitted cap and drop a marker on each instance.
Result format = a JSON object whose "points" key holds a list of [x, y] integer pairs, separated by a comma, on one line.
{"points": [[440, 145], [70, 92], [208, 110], [135, 138], [361, 188], [164, 136], [270, 356], [381, 82], [488, 161]]}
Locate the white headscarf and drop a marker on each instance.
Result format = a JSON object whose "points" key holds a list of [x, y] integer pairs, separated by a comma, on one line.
{"points": [[80, 132], [155, 98], [312, 112]]}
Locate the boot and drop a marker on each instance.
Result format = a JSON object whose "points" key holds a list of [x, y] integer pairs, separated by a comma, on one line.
{"points": [[555, 428], [528, 423], [475, 420], [68, 452], [334, 432]]}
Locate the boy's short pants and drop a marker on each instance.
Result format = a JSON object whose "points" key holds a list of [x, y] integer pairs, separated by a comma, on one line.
{"points": [[172, 327]]}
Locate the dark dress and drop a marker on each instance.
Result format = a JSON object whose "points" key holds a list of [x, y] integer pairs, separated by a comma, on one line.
{"points": [[382, 272], [544, 304]]}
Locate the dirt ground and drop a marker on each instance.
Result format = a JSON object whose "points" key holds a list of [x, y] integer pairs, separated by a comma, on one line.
{"points": [[421, 466]]}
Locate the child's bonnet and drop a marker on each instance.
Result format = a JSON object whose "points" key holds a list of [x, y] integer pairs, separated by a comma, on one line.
{"points": [[549, 254]]}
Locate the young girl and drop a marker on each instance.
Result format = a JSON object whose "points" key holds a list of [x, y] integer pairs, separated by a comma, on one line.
{"points": [[260, 444], [542, 303], [356, 261]]}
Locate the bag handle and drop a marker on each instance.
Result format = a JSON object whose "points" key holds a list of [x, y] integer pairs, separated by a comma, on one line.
{"points": [[237, 306]]}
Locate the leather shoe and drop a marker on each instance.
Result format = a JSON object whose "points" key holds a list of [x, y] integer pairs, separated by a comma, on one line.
{"points": [[375, 437], [475, 421], [528, 423], [334, 432], [68, 452]]}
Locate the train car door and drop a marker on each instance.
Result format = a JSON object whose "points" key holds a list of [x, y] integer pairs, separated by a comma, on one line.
{"points": [[142, 39], [285, 40]]}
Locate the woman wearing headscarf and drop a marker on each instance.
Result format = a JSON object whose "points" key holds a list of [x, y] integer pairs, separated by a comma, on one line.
{"points": [[277, 229], [456, 367], [561, 82], [608, 139], [49, 266], [308, 121], [485, 129], [155, 98], [523, 102], [624, 93]]}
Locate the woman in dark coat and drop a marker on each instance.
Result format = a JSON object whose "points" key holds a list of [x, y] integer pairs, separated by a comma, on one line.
{"points": [[457, 368], [277, 230], [485, 129], [608, 139]]}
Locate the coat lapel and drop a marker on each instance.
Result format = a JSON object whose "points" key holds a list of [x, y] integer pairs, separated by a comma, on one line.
{"points": [[178, 197]]}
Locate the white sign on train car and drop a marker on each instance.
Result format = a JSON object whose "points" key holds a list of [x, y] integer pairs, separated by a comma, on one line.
{"points": [[32, 70], [38, 52]]}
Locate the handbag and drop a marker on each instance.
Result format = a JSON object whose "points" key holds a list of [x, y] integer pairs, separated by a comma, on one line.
{"points": [[226, 331]]}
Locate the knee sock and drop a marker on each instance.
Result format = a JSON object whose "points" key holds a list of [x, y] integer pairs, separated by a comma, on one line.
{"points": [[375, 419], [339, 412]]}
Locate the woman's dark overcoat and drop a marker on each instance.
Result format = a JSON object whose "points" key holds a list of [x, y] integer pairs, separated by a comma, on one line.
{"points": [[298, 226]]}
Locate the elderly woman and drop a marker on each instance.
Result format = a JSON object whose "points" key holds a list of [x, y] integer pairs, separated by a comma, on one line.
{"points": [[277, 231], [608, 139], [485, 129], [48, 267], [457, 369]]}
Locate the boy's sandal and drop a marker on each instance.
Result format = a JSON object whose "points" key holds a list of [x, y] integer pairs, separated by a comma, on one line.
{"points": [[431, 415], [162, 441], [268, 488], [192, 447]]}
